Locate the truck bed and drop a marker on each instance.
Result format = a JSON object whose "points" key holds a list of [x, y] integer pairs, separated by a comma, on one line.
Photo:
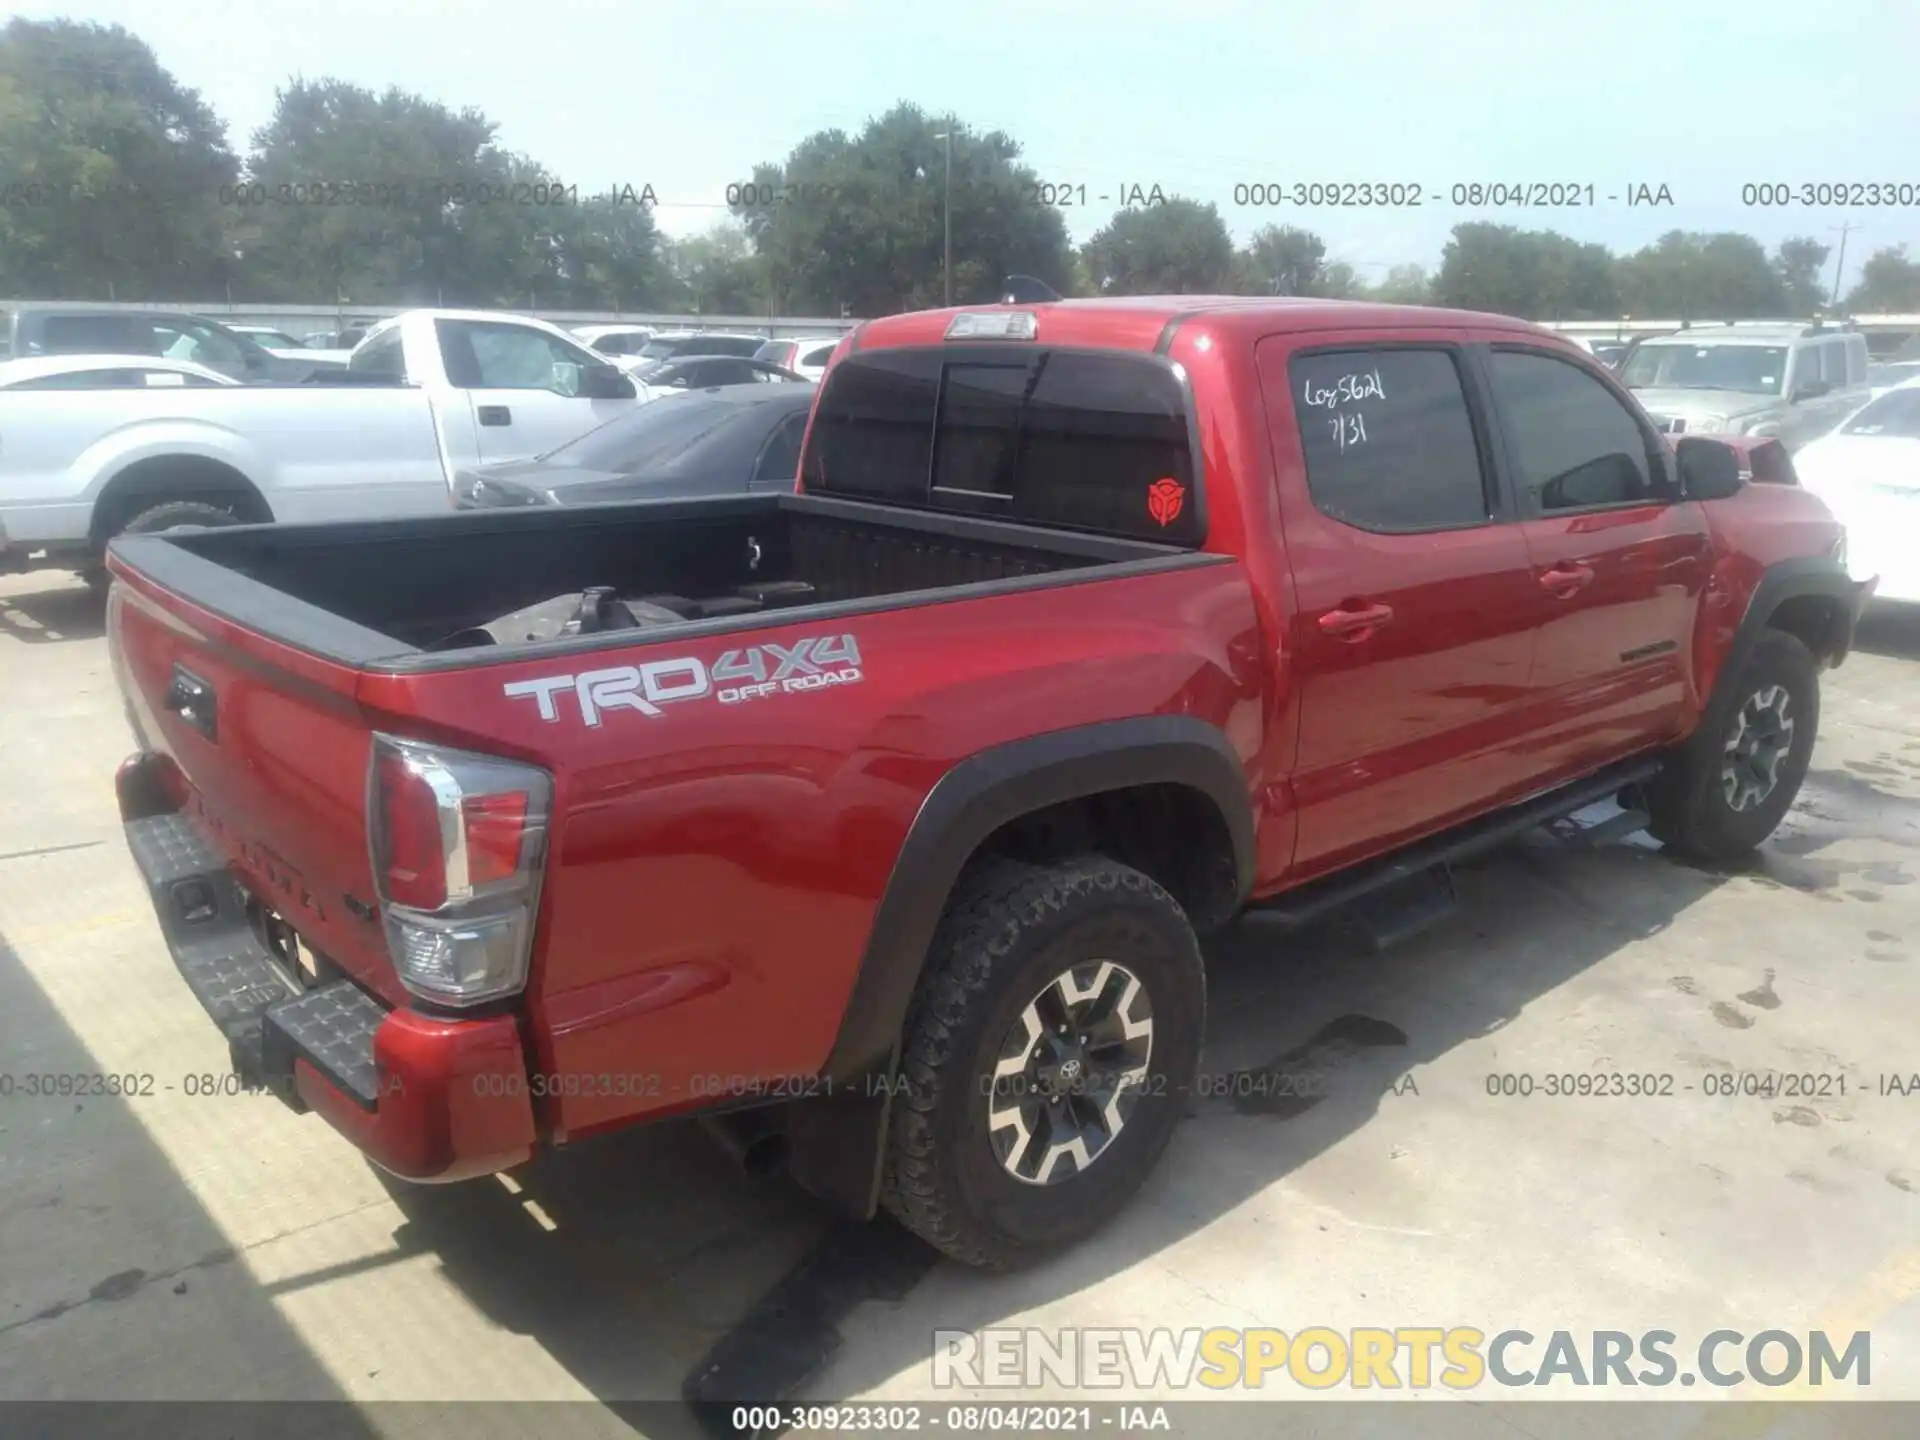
{"points": [[388, 594]]}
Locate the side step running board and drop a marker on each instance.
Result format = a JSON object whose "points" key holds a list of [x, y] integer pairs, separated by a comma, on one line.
{"points": [[1409, 907], [1422, 868], [1633, 816]]}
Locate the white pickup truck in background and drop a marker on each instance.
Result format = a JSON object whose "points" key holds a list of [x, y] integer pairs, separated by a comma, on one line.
{"points": [[424, 395]]}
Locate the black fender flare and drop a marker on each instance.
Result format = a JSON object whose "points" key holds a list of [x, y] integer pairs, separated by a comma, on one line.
{"points": [[982, 793], [1820, 575], [837, 1140]]}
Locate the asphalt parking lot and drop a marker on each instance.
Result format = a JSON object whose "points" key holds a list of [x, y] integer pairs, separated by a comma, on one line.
{"points": [[182, 1245]]}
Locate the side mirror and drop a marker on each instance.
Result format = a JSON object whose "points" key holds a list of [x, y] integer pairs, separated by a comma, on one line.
{"points": [[1708, 469], [604, 382], [1808, 390]]}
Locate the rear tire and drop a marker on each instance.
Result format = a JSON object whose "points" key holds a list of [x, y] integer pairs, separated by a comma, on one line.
{"points": [[167, 515], [987, 1169], [1728, 791], [174, 514]]}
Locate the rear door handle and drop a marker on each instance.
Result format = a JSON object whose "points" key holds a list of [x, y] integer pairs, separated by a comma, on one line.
{"points": [[495, 415], [1566, 579], [1355, 624]]}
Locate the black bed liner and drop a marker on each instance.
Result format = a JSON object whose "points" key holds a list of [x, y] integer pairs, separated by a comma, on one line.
{"points": [[372, 594]]}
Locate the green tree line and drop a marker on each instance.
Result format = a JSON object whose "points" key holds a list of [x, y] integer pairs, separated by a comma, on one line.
{"points": [[118, 182]]}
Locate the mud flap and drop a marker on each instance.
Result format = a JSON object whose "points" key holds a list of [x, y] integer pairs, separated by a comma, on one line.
{"points": [[837, 1144]]}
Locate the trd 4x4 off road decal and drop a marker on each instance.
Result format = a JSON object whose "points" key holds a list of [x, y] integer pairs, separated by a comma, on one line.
{"points": [[818, 662]]}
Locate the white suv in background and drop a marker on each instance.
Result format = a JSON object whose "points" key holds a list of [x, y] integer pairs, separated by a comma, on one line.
{"points": [[1786, 380]]}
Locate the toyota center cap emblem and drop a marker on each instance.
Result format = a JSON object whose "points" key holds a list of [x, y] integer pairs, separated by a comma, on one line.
{"points": [[1070, 1070]]}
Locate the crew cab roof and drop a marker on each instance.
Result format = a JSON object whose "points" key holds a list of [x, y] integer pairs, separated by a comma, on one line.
{"points": [[1145, 322]]}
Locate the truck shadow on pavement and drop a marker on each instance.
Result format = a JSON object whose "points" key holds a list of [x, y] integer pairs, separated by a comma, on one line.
{"points": [[1312, 1036], [665, 1268], [39, 609], [120, 1290], [626, 1258]]}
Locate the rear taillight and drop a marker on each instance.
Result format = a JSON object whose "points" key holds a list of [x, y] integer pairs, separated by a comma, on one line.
{"points": [[459, 845], [408, 846]]}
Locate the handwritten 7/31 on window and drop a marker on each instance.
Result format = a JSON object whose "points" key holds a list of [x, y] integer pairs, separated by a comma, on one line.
{"points": [[1347, 427]]}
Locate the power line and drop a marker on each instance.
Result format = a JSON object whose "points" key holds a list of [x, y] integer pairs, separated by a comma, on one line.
{"points": [[1840, 266]]}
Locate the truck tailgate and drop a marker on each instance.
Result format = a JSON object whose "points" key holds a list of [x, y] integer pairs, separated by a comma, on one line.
{"points": [[273, 749]]}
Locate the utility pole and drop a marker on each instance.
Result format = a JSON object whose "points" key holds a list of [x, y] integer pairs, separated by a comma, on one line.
{"points": [[946, 218], [1840, 266]]}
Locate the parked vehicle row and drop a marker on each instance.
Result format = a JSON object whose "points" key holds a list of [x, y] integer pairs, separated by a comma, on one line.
{"points": [[275, 340], [61, 329], [734, 440], [680, 344], [425, 395], [702, 372], [615, 340], [1790, 381], [1703, 380], [884, 816]]}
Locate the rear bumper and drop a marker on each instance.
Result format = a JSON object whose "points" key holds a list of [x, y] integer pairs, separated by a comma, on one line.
{"points": [[427, 1098]]}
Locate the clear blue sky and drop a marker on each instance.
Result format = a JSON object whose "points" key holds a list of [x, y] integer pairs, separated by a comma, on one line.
{"points": [[1193, 96]]}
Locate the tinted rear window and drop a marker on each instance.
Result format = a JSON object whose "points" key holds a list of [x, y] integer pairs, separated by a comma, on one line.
{"points": [[1388, 442], [1077, 439]]}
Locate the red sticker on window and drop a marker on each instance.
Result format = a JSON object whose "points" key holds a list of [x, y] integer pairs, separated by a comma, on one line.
{"points": [[1165, 498]]}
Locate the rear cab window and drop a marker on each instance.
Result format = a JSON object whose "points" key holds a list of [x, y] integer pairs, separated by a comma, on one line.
{"points": [[1087, 440], [385, 354]]}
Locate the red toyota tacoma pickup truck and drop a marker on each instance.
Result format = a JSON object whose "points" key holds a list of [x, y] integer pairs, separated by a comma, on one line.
{"points": [[883, 816]]}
